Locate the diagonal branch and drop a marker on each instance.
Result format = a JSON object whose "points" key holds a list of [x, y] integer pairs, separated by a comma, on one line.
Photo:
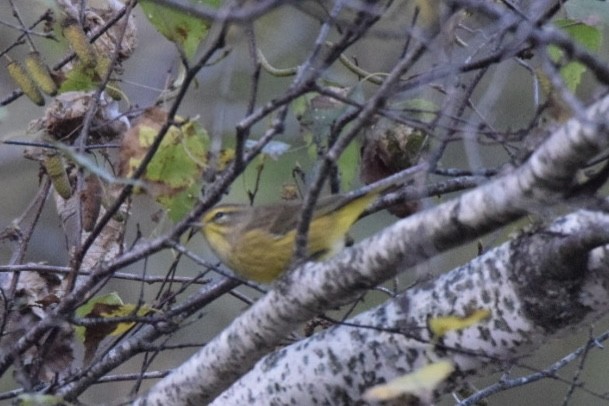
{"points": [[541, 182], [394, 338]]}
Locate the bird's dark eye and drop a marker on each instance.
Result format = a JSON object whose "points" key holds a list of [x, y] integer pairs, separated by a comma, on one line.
{"points": [[219, 216]]}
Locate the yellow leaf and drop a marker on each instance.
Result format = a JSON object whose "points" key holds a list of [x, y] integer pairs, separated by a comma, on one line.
{"points": [[443, 324], [124, 310], [105, 307], [418, 383], [39, 399]]}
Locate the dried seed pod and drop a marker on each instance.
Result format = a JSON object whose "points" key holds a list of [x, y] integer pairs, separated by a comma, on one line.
{"points": [[55, 168], [25, 82], [289, 191], [79, 41], [114, 91], [103, 65], [388, 149], [91, 197], [107, 200], [39, 72]]}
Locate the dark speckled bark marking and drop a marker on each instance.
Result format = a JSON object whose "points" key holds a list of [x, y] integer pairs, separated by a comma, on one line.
{"points": [[273, 359], [381, 315], [508, 303], [334, 363], [550, 294], [486, 296], [484, 333]]}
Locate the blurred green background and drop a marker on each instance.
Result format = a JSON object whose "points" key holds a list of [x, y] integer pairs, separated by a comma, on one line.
{"points": [[219, 100]]}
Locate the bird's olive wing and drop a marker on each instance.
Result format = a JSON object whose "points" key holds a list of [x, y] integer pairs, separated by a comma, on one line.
{"points": [[276, 219], [281, 218], [286, 215]]}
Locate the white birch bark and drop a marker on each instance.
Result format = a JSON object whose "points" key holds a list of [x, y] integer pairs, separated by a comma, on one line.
{"points": [[336, 366], [539, 183]]}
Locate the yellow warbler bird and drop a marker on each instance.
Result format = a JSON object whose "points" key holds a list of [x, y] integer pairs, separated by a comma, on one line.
{"points": [[257, 243]]}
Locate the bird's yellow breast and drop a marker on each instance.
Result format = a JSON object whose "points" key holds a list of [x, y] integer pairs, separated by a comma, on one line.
{"points": [[258, 254]]}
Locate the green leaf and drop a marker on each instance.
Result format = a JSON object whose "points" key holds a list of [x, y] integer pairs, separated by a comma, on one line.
{"points": [[80, 78], [110, 299], [348, 165], [180, 158], [420, 109], [588, 36], [175, 173], [300, 105], [572, 74], [180, 203], [181, 28], [317, 115]]}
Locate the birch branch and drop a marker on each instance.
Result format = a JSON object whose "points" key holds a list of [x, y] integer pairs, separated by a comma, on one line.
{"points": [[336, 366], [539, 183]]}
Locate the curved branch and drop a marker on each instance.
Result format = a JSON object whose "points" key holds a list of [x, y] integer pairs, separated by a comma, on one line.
{"points": [[394, 339], [312, 288]]}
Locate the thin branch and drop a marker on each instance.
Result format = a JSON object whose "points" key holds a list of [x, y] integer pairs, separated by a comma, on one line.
{"points": [[311, 288], [63, 270], [549, 372]]}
